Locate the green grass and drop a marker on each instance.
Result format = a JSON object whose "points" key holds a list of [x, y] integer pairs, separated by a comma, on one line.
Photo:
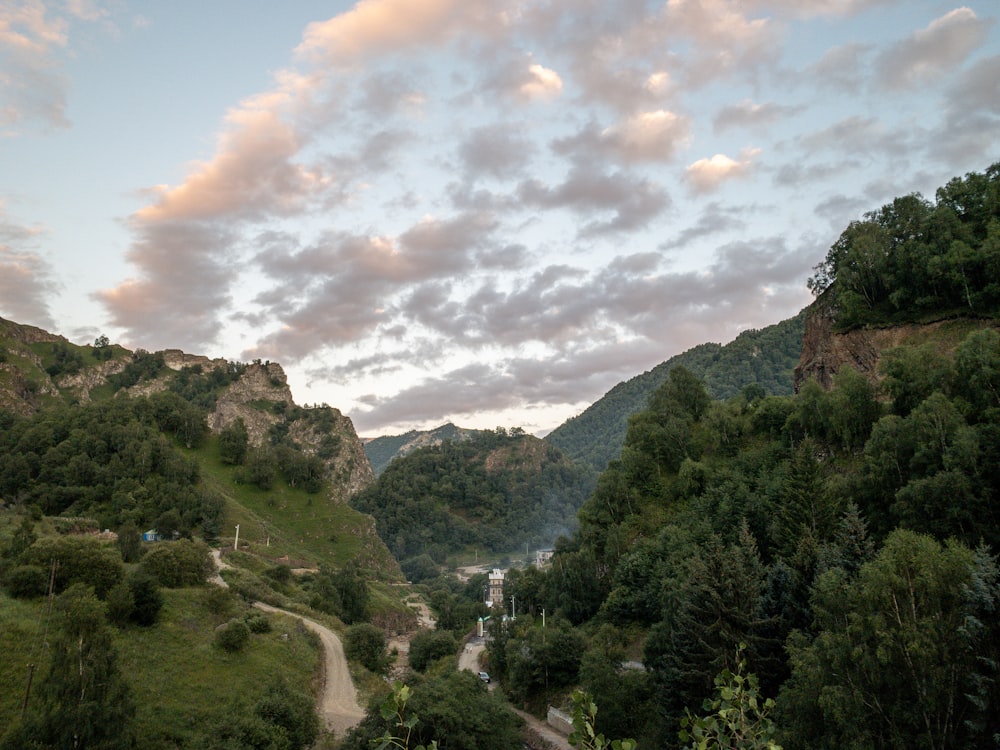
{"points": [[181, 681], [308, 529], [22, 636]]}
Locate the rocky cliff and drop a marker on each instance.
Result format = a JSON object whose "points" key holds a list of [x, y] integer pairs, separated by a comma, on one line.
{"points": [[825, 350]]}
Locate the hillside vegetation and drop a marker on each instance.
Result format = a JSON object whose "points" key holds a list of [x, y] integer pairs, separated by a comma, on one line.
{"points": [[762, 358], [495, 491], [840, 545]]}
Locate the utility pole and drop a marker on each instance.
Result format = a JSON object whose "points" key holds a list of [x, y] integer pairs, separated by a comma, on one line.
{"points": [[513, 609], [236, 542]]}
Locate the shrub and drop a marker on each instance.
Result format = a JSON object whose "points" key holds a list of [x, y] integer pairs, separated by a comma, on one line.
{"points": [[180, 563], [365, 643], [26, 581], [233, 636], [428, 646], [120, 604], [257, 622], [147, 600]]}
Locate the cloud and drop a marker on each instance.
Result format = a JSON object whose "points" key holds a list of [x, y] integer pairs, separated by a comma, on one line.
{"points": [[374, 27], [930, 52], [542, 83], [500, 151], [31, 86], [840, 67], [348, 286], [644, 137], [251, 176], [27, 281], [969, 132], [602, 327], [633, 201], [715, 218], [856, 135], [747, 114], [187, 272], [725, 40], [707, 175], [647, 136]]}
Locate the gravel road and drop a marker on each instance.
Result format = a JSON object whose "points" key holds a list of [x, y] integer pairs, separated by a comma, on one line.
{"points": [[338, 706]]}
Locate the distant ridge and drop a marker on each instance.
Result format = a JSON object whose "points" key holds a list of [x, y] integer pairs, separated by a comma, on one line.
{"points": [[765, 356], [382, 450]]}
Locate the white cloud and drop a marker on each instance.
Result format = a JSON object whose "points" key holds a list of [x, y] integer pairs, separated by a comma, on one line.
{"points": [[707, 175], [542, 83]]}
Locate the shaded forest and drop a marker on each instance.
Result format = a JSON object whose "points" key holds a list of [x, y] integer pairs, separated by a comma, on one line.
{"points": [[495, 491], [765, 357]]}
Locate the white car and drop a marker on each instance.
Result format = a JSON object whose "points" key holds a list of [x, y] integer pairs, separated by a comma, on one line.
{"points": [[484, 676]]}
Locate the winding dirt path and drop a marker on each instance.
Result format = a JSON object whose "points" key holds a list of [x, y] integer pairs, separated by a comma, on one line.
{"points": [[338, 706]]}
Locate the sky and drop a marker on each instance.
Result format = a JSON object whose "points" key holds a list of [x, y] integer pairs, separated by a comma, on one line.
{"points": [[488, 212]]}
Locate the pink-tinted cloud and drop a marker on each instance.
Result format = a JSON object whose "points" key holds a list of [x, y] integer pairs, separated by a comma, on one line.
{"points": [[749, 114], [707, 175], [392, 26]]}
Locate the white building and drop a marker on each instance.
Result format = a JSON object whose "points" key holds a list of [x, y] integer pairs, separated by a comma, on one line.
{"points": [[494, 593]]}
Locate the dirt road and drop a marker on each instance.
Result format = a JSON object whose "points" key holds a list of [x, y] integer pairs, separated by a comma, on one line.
{"points": [[541, 735], [338, 706]]}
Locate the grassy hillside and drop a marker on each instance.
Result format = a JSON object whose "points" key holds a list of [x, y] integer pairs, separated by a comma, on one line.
{"points": [[766, 357]]}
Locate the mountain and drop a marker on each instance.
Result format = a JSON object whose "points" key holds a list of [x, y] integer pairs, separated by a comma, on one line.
{"points": [[287, 483], [382, 450], [495, 491], [766, 357]]}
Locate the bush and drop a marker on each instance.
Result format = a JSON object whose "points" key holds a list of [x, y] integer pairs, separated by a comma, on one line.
{"points": [[233, 636], [365, 643], [26, 581], [428, 646], [177, 564], [257, 622], [147, 599], [120, 603], [81, 560]]}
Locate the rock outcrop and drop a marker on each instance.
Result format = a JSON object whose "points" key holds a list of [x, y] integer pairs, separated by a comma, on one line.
{"points": [[825, 351]]}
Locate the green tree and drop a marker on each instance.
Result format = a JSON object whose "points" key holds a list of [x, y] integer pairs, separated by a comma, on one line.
{"points": [[83, 701], [904, 653], [427, 646], [177, 564], [233, 442], [453, 708], [366, 643], [130, 542], [738, 717]]}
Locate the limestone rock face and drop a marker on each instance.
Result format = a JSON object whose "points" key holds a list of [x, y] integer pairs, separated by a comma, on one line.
{"points": [[825, 351], [262, 399]]}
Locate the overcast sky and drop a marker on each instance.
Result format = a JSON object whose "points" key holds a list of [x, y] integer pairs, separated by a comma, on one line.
{"points": [[482, 211]]}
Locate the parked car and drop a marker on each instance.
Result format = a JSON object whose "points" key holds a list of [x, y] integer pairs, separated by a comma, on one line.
{"points": [[484, 676]]}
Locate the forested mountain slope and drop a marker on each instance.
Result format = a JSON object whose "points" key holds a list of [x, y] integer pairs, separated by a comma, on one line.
{"points": [[841, 543], [766, 357], [495, 491], [177, 442]]}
